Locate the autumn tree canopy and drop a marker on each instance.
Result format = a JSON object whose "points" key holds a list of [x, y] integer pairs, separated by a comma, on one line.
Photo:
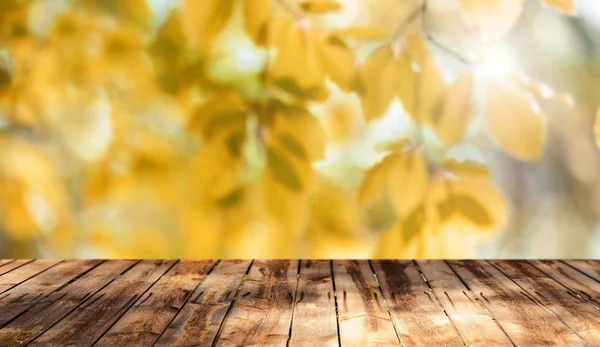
{"points": [[201, 129]]}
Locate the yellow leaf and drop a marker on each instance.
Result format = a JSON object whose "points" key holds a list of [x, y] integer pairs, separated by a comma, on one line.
{"points": [[466, 207], [422, 91], [335, 212], [304, 128], [467, 168], [298, 64], [408, 180], [415, 47], [203, 20], [341, 116], [471, 202], [406, 239], [219, 117], [414, 223], [378, 83], [290, 208], [564, 6], [407, 82], [456, 111], [390, 245], [256, 19], [375, 181], [215, 172], [363, 32], [339, 62], [597, 128], [282, 170], [320, 6], [430, 91], [514, 122], [492, 18]]}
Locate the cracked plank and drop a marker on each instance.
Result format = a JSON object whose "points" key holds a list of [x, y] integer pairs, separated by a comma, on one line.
{"points": [[144, 322], [262, 313], [525, 321], [94, 317], [475, 325], [579, 315], [57, 305], [314, 321], [417, 316], [363, 317]]}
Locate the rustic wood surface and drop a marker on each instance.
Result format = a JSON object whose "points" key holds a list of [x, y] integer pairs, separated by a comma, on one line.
{"points": [[299, 303]]}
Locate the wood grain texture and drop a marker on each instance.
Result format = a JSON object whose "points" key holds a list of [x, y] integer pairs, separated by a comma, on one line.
{"points": [[578, 283], [525, 321], [419, 319], [580, 316], [92, 319], [471, 319], [299, 303], [588, 267], [144, 322], [200, 318], [314, 321], [262, 313], [11, 265], [5, 261], [21, 297], [61, 302], [22, 273], [362, 315]]}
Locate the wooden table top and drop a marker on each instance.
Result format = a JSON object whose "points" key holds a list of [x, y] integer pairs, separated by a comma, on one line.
{"points": [[299, 303]]}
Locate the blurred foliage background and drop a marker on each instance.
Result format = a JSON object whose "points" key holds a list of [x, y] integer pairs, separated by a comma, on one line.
{"points": [[286, 128]]}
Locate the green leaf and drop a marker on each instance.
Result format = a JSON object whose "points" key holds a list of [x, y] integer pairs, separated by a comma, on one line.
{"points": [[222, 120], [5, 79], [235, 142], [282, 170], [317, 93], [292, 145], [232, 198]]}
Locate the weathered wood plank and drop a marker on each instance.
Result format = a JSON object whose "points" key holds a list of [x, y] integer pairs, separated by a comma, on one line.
{"points": [[525, 322], [199, 320], [21, 297], [579, 315], [262, 313], [588, 267], [25, 272], [143, 323], [418, 318], [57, 305], [314, 321], [5, 261], [89, 321], [475, 325], [363, 318], [577, 282], [7, 267]]}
